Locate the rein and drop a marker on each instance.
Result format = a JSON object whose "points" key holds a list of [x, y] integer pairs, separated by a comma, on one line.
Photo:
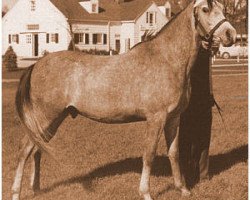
{"points": [[208, 37]]}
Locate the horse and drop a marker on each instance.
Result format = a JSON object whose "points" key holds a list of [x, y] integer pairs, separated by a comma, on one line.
{"points": [[149, 83]]}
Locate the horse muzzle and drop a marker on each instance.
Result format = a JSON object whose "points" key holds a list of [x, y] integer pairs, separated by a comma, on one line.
{"points": [[227, 34]]}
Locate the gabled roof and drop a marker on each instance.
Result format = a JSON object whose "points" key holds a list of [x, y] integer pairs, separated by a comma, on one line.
{"points": [[109, 10]]}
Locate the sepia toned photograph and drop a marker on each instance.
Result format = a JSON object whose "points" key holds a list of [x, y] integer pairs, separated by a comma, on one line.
{"points": [[124, 99]]}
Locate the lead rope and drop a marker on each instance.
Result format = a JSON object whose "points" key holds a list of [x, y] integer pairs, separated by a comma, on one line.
{"points": [[211, 91]]}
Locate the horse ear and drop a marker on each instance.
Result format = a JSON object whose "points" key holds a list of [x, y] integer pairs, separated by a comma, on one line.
{"points": [[210, 3], [197, 2]]}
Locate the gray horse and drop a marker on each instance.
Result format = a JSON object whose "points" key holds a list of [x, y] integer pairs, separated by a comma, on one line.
{"points": [[150, 83]]}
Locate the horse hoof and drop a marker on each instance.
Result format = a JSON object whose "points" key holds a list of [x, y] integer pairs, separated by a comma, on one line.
{"points": [[15, 197], [146, 196], [185, 192]]}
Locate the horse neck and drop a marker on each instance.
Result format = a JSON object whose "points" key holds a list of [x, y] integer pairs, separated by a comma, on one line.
{"points": [[179, 40]]}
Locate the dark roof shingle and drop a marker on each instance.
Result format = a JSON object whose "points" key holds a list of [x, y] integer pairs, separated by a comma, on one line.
{"points": [[109, 9]]}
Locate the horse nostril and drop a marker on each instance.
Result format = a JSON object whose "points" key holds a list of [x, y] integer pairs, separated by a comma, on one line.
{"points": [[228, 34], [231, 35]]}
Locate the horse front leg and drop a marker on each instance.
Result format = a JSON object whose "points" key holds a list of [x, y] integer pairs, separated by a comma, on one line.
{"points": [[172, 140], [26, 149], [35, 170], [155, 125]]}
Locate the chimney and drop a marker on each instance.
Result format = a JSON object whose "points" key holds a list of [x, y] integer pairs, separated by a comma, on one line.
{"points": [[119, 1]]}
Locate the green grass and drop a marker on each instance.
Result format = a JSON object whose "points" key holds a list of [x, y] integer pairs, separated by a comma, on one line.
{"points": [[101, 161]]}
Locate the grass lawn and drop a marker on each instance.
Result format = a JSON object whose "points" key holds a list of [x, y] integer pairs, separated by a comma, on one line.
{"points": [[101, 161], [16, 74]]}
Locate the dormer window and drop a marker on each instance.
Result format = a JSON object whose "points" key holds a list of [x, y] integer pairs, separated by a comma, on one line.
{"points": [[94, 7], [168, 14], [32, 5], [151, 18]]}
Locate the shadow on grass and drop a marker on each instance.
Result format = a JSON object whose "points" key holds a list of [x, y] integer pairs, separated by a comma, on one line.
{"points": [[161, 167]]}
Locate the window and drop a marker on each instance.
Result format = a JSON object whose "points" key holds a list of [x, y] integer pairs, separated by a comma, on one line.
{"points": [[28, 39], [127, 44], [76, 38], [168, 12], [151, 18], [86, 40], [32, 5], [14, 38], [47, 37], [33, 26], [81, 38], [94, 6], [55, 37], [99, 38]]}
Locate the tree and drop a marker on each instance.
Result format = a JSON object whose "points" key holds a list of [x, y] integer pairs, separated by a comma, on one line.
{"points": [[10, 59]]}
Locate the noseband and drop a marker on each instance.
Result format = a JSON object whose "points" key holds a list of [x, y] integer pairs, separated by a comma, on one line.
{"points": [[209, 35]]}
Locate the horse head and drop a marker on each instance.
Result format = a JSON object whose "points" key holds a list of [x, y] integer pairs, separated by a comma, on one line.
{"points": [[210, 22]]}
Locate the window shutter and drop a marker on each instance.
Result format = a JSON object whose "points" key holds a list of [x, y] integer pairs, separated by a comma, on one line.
{"points": [[147, 17], [155, 17], [76, 38], [17, 38], [9, 38], [57, 37], [86, 38], [47, 38], [94, 38], [104, 38]]}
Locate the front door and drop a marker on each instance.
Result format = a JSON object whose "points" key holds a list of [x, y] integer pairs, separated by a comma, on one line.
{"points": [[35, 47], [117, 45]]}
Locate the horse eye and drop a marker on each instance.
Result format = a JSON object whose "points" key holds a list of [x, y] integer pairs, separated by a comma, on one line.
{"points": [[205, 10]]}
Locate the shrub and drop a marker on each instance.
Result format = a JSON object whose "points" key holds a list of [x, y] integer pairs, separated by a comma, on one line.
{"points": [[97, 52], [10, 59], [45, 53]]}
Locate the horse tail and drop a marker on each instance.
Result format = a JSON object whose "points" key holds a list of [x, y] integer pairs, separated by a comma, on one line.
{"points": [[32, 117]]}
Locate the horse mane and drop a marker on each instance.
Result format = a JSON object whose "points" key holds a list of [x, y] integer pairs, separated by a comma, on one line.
{"points": [[210, 3]]}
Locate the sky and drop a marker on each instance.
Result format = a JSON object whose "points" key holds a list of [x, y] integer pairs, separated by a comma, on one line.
{"points": [[8, 3]]}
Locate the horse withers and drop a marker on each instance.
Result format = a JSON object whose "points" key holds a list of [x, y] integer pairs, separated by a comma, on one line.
{"points": [[150, 83]]}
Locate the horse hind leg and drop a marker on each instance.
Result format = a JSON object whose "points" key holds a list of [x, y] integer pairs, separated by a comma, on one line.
{"points": [[57, 121], [26, 149], [155, 125], [172, 140], [35, 170], [36, 155]]}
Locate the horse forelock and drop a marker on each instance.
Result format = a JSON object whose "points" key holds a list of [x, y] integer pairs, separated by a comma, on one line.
{"points": [[209, 3]]}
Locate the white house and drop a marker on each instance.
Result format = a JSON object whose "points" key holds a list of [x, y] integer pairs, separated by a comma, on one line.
{"points": [[33, 26]]}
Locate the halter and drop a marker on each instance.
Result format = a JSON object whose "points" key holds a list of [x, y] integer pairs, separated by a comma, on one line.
{"points": [[208, 36]]}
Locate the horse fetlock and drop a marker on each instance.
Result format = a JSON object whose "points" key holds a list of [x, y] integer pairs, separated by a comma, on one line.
{"points": [[146, 196], [183, 189], [185, 192], [15, 196]]}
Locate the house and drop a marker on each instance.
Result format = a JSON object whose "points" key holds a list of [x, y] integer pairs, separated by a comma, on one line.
{"points": [[34, 26]]}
